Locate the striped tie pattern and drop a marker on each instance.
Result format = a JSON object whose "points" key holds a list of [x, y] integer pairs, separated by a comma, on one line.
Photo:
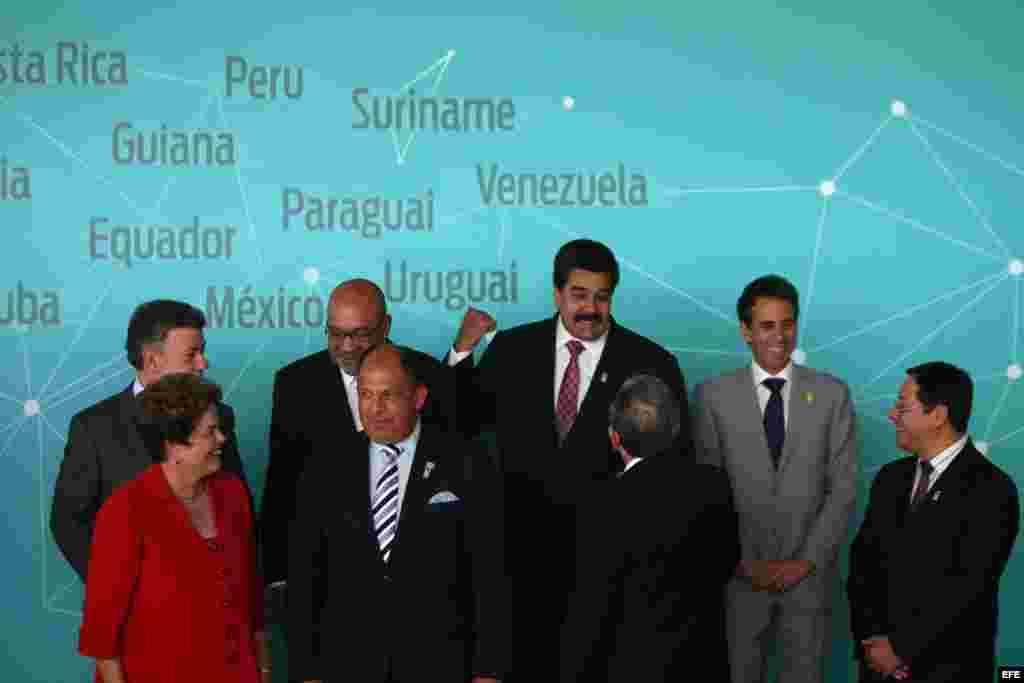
{"points": [[385, 501]]}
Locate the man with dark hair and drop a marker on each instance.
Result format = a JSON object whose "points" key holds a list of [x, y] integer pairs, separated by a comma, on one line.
{"points": [[395, 557], [109, 443], [544, 389], [656, 547], [939, 528], [316, 395], [786, 435]]}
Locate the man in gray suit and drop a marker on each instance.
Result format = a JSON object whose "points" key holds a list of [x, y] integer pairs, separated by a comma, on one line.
{"points": [[787, 437]]}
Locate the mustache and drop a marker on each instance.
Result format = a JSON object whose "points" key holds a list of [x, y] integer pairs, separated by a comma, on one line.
{"points": [[588, 317]]}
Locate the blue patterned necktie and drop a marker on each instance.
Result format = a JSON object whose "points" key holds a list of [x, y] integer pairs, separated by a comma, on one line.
{"points": [[385, 501], [774, 419]]}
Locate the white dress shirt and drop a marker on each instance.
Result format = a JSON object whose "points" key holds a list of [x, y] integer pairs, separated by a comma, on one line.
{"points": [[588, 359], [764, 393], [940, 463], [379, 462], [352, 393], [630, 465], [137, 387]]}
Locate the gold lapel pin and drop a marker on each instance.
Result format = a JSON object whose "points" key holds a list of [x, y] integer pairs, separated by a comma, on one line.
{"points": [[809, 397]]}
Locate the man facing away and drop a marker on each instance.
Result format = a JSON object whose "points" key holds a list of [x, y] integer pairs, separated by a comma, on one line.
{"points": [[656, 547]]}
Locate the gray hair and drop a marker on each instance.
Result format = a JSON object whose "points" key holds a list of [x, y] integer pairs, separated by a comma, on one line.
{"points": [[645, 413]]}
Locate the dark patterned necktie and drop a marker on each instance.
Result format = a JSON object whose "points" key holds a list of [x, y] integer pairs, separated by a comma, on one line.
{"points": [[774, 418], [922, 483]]}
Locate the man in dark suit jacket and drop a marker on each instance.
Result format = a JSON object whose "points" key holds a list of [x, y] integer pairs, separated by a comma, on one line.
{"points": [[656, 548], [109, 443], [395, 558], [316, 395], [545, 388], [939, 528]]}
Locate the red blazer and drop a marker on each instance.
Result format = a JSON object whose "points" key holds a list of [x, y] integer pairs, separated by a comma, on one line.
{"points": [[171, 605]]}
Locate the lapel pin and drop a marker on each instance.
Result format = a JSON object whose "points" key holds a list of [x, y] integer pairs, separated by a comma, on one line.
{"points": [[935, 497], [604, 377], [428, 468], [809, 397]]}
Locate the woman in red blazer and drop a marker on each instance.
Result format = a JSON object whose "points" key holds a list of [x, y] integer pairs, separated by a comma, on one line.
{"points": [[172, 593]]}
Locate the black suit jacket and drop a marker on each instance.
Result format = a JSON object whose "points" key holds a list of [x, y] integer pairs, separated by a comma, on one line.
{"points": [[512, 392], [656, 549], [929, 579], [109, 444], [432, 613], [309, 402]]}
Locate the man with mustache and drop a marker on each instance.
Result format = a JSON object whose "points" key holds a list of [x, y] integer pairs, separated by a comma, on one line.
{"points": [[786, 435], [544, 389]]}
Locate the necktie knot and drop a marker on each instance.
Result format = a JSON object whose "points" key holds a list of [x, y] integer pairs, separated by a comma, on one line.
{"points": [[390, 451], [926, 468], [774, 384], [575, 347]]}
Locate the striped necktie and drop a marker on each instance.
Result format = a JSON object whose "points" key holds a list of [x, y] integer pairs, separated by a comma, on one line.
{"points": [[385, 500]]}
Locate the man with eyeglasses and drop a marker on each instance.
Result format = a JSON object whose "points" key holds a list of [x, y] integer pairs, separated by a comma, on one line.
{"points": [[315, 397]]}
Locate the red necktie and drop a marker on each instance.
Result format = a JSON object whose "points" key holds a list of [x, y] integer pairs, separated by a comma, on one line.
{"points": [[568, 393], [922, 483]]}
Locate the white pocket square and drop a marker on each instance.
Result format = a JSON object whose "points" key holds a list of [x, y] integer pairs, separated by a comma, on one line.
{"points": [[443, 497]]}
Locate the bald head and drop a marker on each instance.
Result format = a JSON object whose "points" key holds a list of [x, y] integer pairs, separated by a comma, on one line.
{"points": [[356, 320], [390, 393]]}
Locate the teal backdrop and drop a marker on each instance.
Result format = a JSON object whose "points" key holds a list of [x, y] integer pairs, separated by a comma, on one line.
{"points": [[871, 152]]}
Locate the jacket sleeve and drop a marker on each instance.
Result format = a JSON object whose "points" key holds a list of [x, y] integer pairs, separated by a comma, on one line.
{"points": [[76, 497]]}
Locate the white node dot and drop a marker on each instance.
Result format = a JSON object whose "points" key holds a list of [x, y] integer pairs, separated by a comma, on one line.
{"points": [[982, 447], [1016, 267], [311, 275], [31, 408], [568, 103], [799, 356], [1014, 372], [401, 161], [898, 108], [827, 188]]}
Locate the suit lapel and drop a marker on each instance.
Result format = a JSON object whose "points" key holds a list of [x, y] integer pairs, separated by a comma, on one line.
{"points": [[414, 501], [795, 419], [336, 394], [143, 448], [545, 366], [747, 403]]}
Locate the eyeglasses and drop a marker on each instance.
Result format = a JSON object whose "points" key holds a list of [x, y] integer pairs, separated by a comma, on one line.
{"points": [[360, 335]]}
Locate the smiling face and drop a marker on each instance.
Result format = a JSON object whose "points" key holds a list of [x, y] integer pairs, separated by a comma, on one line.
{"points": [[201, 455], [771, 334], [389, 400], [916, 428], [585, 304]]}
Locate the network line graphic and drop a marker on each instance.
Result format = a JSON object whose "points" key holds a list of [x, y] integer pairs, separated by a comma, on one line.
{"points": [[36, 401]]}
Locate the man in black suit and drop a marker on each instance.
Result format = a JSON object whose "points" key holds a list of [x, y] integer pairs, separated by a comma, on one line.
{"points": [[317, 395], [109, 443], [395, 558], [656, 548], [545, 388], [926, 564]]}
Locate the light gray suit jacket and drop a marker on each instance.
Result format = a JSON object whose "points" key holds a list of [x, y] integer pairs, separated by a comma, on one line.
{"points": [[802, 510]]}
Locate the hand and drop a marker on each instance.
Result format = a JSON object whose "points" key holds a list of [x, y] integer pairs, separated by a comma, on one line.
{"points": [[475, 324], [761, 573], [881, 658], [790, 573]]}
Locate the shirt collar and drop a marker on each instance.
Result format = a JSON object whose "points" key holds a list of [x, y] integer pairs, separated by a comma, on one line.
{"points": [[942, 460], [631, 463], [760, 374], [562, 335], [406, 445], [137, 387], [349, 380]]}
